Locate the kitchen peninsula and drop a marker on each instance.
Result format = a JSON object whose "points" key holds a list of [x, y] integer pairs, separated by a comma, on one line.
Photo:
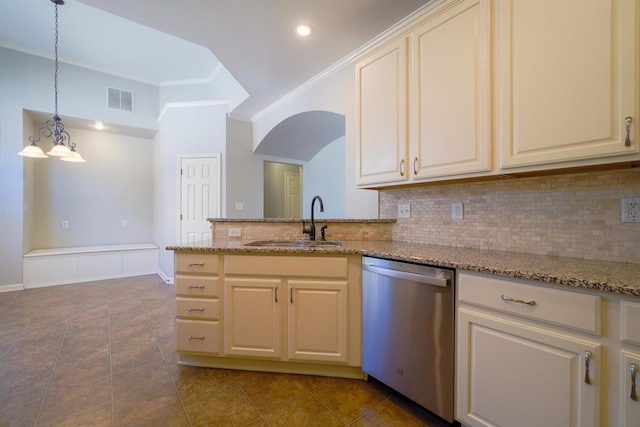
{"points": [[513, 311]]}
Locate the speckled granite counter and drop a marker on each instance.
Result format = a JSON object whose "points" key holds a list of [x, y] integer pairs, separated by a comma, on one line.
{"points": [[619, 278]]}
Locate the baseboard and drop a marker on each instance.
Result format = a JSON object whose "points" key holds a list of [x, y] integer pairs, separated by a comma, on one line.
{"points": [[11, 288], [167, 279]]}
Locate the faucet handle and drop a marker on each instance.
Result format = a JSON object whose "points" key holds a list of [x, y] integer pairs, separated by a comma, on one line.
{"points": [[322, 229]]}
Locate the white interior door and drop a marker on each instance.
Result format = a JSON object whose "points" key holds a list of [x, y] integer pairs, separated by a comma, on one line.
{"points": [[293, 197], [199, 197]]}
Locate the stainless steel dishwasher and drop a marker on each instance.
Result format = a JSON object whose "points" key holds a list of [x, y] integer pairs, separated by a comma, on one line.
{"points": [[408, 331]]}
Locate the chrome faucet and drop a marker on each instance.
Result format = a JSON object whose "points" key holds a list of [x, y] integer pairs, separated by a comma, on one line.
{"points": [[311, 231]]}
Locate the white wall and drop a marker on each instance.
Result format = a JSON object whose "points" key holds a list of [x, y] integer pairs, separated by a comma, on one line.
{"points": [[183, 129], [115, 184], [244, 172], [335, 93], [324, 176], [26, 82]]}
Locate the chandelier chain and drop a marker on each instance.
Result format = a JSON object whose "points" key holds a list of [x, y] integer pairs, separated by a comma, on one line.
{"points": [[55, 79]]}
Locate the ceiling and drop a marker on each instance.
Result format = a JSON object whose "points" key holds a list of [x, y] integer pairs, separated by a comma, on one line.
{"points": [[162, 41]]}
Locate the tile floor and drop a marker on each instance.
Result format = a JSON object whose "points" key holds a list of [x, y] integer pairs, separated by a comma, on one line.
{"points": [[102, 354]]}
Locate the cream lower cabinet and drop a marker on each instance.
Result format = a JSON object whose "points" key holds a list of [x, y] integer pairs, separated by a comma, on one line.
{"points": [[297, 313], [524, 360], [309, 316], [198, 305], [629, 368]]}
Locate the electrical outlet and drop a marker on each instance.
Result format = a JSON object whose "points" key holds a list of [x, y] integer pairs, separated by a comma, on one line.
{"points": [[239, 206], [125, 223], [631, 210], [457, 211], [65, 224], [404, 210], [234, 232]]}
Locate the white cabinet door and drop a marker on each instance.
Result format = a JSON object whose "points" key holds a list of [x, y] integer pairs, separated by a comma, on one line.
{"points": [[512, 374], [450, 102], [566, 80], [317, 316], [629, 392], [381, 114], [252, 318]]}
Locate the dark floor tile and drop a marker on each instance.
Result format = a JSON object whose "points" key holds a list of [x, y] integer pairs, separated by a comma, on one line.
{"points": [[274, 391], [349, 399], [307, 411], [89, 416], [229, 408], [196, 384], [64, 397], [389, 415]]}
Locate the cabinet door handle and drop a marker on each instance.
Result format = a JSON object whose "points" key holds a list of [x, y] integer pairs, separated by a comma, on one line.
{"points": [[275, 292], [291, 293], [191, 337], [587, 359], [195, 309], [633, 368], [627, 131], [196, 264], [415, 163], [402, 167], [521, 301], [195, 286]]}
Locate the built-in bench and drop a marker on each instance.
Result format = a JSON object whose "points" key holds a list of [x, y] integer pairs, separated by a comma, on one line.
{"points": [[57, 266]]}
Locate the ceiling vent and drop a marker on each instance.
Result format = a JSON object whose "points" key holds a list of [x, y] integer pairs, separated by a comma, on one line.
{"points": [[118, 99]]}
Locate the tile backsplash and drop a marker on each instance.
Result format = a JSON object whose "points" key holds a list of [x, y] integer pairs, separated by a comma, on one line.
{"points": [[574, 215]]}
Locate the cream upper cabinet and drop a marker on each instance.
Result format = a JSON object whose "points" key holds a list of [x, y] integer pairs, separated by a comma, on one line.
{"points": [[381, 113], [450, 98], [566, 80], [423, 101]]}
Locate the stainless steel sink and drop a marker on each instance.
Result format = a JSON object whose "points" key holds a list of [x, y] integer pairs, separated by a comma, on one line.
{"points": [[294, 243]]}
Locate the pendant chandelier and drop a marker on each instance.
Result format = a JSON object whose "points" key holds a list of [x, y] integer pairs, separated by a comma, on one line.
{"points": [[53, 128]]}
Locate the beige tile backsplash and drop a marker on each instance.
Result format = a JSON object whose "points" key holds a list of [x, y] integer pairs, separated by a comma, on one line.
{"points": [[575, 215]]}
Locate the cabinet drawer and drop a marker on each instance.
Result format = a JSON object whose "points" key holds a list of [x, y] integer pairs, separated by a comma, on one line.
{"points": [[565, 308], [198, 308], [629, 321], [304, 266], [197, 263], [198, 286], [197, 336]]}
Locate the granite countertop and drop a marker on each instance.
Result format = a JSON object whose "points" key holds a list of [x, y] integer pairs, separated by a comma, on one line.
{"points": [[604, 276]]}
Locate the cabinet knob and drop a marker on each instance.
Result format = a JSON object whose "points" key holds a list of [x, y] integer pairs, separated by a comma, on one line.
{"points": [[191, 337], [633, 368], [196, 264], [195, 286], [402, 167], [195, 309], [415, 166], [627, 131]]}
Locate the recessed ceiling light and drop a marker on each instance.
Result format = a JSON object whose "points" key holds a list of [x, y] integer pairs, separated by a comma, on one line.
{"points": [[303, 30], [99, 125]]}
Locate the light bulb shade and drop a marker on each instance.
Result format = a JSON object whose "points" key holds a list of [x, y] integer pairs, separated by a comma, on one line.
{"points": [[59, 150], [73, 156], [32, 150]]}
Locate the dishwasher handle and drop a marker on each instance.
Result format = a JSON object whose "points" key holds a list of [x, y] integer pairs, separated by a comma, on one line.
{"points": [[397, 274]]}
